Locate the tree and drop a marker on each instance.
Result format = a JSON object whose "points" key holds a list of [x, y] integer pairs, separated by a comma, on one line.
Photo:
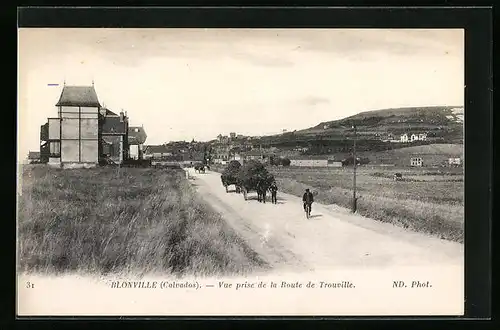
{"points": [[274, 161], [254, 173], [285, 162], [230, 175]]}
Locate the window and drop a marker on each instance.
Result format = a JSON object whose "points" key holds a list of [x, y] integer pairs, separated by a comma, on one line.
{"points": [[136, 130], [55, 149]]}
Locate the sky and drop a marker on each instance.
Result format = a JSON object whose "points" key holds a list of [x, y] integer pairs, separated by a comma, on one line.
{"points": [[184, 84]]}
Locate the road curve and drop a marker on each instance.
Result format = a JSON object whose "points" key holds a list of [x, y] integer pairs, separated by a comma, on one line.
{"points": [[331, 239]]}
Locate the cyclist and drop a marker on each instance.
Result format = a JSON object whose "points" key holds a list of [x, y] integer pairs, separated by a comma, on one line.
{"points": [[308, 199]]}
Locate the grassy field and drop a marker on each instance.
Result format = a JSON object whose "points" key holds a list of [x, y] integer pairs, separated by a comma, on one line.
{"points": [[428, 200], [109, 220]]}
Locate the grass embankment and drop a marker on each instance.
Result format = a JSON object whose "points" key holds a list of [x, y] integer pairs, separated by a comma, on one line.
{"points": [[107, 220]]}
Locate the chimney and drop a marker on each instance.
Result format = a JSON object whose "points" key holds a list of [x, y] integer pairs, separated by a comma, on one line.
{"points": [[121, 116]]}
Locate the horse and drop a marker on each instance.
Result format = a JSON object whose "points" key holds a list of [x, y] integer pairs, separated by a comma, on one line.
{"points": [[199, 168], [261, 191]]}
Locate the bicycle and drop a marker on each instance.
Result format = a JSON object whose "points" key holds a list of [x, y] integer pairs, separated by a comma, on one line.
{"points": [[308, 210]]}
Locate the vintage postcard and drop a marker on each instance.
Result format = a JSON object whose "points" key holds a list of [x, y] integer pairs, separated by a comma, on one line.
{"points": [[240, 172]]}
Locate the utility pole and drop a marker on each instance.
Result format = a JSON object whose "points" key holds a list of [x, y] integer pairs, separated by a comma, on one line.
{"points": [[354, 199]]}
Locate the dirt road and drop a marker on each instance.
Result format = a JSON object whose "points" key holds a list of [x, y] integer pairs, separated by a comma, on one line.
{"points": [[331, 239]]}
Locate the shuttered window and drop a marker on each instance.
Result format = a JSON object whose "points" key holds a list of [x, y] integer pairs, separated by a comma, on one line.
{"points": [[55, 149]]}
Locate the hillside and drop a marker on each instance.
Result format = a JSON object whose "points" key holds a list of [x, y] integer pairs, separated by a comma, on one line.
{"points": [[395, 120], [442, 124], [432, 149]]}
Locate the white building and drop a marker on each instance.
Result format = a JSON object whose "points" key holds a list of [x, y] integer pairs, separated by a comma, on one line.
{"points": [[314, 162], [416, 161], [412, 138], [309, 162], [455, 161]]}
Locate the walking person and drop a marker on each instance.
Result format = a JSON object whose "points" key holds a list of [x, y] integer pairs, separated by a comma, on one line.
{"points": [[308, 199], [274, 192]]}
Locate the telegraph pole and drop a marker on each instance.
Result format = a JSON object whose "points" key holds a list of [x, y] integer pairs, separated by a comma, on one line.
{"points": [[354, 200]]}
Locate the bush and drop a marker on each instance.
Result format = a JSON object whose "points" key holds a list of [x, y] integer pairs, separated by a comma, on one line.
{"points": [[230, 174], [253, 173], [285, 162]]}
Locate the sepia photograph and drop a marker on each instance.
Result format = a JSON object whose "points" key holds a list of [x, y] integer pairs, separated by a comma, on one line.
{"points": [[237, 171]]}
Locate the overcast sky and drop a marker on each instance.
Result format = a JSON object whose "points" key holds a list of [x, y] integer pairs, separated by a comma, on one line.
{"points": [[196, 83]]}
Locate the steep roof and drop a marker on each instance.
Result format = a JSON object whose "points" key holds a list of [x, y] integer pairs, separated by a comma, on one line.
{"points": [[311, 157], [84, 96], [110, 113], [113, 125], [156, 149]]}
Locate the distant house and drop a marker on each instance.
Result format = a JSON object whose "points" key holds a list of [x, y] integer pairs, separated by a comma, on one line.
{"points": [[136, 138], [72, 138], [404, 138], [314, 161], [255, 154], [334, 163], [416, 161], [456, 161], [84, 133], [192, 159], [114, 129], [309, 162], [158, 152]]}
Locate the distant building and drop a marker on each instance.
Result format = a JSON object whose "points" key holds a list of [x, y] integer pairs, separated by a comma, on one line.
{"points": [[232, 135], [255, 154], [114, 130], [334, 163], [416, 161], [136, 138], [314, 161], [84, 133], [405, 138], [72, 138], [159, 152], [456, 161]]}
